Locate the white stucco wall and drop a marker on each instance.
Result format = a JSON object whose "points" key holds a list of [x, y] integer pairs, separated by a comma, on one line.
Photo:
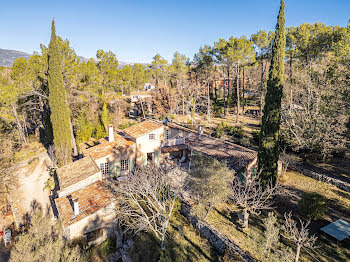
{"points": [[100, 219], [145, 145]]}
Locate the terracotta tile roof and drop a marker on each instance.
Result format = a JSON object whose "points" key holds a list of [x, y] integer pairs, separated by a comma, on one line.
{"points": [[237, 157], [105, 148], [90, 199], [142, 128], [76, 171]]}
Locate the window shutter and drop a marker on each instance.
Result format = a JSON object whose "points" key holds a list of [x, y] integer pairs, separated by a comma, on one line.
{"points": [[131, 165], [241, 176], [111, 169], [144, 156], [253, 171], [118, 168], [156, 157]]}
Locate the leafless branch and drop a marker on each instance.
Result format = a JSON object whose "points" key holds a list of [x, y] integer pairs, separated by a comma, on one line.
{"points": [[299, 235], [252, 196], [146, 201]]}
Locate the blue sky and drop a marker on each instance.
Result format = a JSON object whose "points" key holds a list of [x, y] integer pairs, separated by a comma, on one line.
{"points": [[136, 30]]}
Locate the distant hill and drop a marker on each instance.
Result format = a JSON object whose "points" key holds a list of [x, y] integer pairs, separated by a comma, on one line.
{"points": [[7, 57]]}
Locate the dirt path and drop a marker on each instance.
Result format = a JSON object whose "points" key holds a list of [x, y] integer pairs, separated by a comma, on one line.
{"points": [[31, 184], [30, 178]]}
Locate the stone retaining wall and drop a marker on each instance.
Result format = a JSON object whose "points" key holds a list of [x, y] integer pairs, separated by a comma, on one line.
{"points": [[323, 177], [215, 237]]}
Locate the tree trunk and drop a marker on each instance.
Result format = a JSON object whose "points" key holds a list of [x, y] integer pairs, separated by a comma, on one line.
{"points": [[228, 87], [208, 111], [162, 243], [291, 85], [166, 88], [74, 144], [261, 86], [183, 101], [22, 136], [243, 101], [238, 99], [223, 70], [297, 254], [245, 218]]}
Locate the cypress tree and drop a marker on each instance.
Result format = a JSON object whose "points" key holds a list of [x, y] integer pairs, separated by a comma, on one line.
{"points": [[60, 113], [269, 134]]}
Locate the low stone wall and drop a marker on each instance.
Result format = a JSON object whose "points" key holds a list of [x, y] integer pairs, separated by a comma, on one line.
{"points": [[215, 237], [322, 177]]}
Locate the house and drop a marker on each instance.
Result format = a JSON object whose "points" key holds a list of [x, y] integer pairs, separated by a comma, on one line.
{"points": [[115, 155], [84, 204], [118, 154], [140, 95], [148, 86], [87, 212], [141, 102], [148, 137], [181, 141]]}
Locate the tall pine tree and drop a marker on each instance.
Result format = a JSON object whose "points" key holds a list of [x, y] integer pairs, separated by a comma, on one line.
{"points": [[60, 113], [269, 135]]}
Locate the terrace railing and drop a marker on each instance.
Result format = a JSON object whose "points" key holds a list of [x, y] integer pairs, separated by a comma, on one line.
{"points": [[174, 142]]}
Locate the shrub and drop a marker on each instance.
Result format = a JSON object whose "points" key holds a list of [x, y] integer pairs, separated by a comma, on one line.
{"points": [[219, 131], [235, 131], [125, 125], [244, 141], [256, 136], [313, 206], [108, 246], [218, 110]]}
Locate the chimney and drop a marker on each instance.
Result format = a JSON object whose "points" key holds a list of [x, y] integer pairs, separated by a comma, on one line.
{"points": [[76, 207], [110, 134], [200, 131]]}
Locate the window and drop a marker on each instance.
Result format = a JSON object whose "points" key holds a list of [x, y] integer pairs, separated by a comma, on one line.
{"points": [[151, 136], [104, 168], [166, 134], [93, 235], [124, 165]]}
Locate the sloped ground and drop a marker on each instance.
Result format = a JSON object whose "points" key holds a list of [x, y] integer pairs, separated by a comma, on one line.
{"points": [[27, 192]]}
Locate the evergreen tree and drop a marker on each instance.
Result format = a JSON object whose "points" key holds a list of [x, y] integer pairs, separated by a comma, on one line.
{"points": [[60, 113], [269, 135]]}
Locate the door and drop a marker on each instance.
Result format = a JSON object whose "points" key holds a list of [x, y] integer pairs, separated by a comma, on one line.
{"points": [[150, 158]]}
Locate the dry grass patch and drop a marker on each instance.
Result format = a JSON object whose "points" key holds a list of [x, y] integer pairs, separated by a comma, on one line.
{"points": [[184, 244], [28, 151], [303, 183]]}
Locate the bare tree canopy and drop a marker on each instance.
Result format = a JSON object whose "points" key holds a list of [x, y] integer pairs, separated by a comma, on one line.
{"points": [[252, 196], [146, 201], [299, 235]]}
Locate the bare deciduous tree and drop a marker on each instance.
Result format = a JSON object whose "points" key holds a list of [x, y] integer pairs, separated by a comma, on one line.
{"points": [[299, 235], [146, 201], [269, 247], [252, 196]]}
